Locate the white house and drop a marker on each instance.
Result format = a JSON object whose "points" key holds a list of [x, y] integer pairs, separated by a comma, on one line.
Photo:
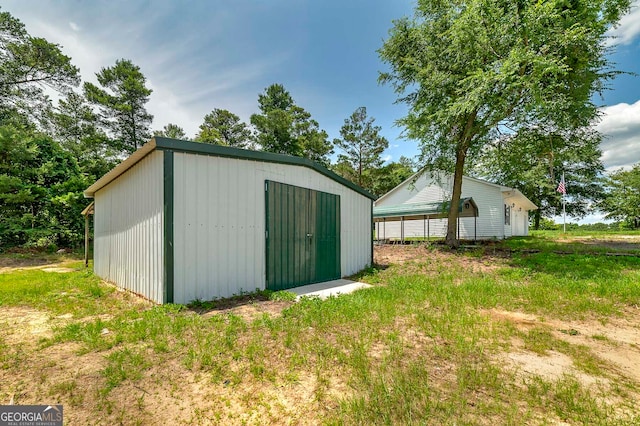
{"points": [[417, 208], [179, 221]]}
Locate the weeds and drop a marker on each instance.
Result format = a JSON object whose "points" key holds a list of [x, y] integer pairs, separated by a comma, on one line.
{"points": [[417, 348]]}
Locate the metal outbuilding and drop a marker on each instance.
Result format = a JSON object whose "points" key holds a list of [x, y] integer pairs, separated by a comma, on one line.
{"points": [[179, 221]]}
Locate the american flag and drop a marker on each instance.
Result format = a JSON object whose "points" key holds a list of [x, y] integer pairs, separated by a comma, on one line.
{"points": [[561, 186]]}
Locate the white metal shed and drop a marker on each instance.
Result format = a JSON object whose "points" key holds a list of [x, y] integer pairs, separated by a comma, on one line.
{"points": [[179, 221]]}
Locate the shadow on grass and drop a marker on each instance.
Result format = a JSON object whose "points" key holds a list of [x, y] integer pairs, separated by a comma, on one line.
{"points": [[259, 296]]}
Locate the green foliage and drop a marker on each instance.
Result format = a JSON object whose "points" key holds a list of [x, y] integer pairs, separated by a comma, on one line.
{"points": [[389, 176], [379, 180], [121, 101], [77, 128], [469, 69], [548, 225], [533, 159], [362, 145], [172, 131], [26, 65], [222, 127], [622, 201], [285, 128], [40, 201], [122, 365]]}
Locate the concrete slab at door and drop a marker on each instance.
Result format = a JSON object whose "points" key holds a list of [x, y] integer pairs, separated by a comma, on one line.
{"points": [[302, 236]]}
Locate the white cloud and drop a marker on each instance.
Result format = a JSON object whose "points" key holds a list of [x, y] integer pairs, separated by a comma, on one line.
{"points": [[387, 158], [629, 27], [189, 75], [620, 126]]}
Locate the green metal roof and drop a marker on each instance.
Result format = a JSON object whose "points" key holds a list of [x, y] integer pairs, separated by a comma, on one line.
{"points": [[167, 144], [420, 210]]}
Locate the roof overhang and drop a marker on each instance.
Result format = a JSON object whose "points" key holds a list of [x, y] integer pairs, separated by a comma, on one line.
{"points": [[514, 196], [176, 145], [417, 211], [90, 209], [121, 168]]}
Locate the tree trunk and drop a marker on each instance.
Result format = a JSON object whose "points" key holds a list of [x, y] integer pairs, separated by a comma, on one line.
{"points": [[536, 219], [452, 224]]}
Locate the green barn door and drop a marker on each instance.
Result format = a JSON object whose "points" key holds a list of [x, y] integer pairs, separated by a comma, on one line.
{"points": [[302, 236]]}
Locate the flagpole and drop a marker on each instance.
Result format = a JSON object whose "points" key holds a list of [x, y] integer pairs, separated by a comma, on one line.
{"points": [[564, 215], [564, 208]]}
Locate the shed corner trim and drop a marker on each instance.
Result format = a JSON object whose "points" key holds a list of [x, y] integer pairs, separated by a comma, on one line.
{"points": [[168, 277]]}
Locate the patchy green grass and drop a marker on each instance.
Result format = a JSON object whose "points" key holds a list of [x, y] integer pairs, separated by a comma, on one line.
{"points": [[423, 346]]}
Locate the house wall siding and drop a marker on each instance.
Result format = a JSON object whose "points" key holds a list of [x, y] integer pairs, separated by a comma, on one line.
{"points": [[489, 224], [128, 228], [219, 223]]}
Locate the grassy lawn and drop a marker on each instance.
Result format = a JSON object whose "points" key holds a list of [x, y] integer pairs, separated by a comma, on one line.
{"points": [[535, 330]]}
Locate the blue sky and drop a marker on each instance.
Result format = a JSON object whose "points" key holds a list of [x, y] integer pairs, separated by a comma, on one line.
{"points": [[200, 55]]}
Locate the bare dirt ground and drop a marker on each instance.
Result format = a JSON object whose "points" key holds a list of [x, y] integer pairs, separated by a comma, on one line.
{"points": [[252, 310], [169, 391], [432, 259], [48, 263], [617, 342], [618, 242]]}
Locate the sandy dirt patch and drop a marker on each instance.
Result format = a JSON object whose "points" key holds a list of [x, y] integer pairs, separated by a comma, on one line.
{"points": [[617, 342], [167, 393], [253, 310], [45, 266], [426, 259], [630, 243], [24, 325]]}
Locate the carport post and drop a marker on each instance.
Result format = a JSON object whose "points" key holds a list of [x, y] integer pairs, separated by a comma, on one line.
{"points": [[86, 240], [424, 227], [384, 230], [402, 230], [428, 231]]}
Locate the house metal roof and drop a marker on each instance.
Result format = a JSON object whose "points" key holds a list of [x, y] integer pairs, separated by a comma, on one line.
{"points": [[412, 211]]}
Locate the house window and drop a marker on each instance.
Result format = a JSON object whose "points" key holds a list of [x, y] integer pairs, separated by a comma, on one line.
{"points": [[507, 215]]}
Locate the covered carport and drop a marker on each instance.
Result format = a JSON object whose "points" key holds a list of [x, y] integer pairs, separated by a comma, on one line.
{"points": [[420, 211]]}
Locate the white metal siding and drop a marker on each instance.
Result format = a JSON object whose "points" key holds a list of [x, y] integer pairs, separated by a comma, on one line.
{"points": [[128, 247], [488, 198], [219, 223]]}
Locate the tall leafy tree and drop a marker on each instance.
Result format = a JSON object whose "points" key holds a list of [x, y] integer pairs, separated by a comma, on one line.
{"points": [[362, 145], [222, 127], [77, 128], [387, 177], [121, 101], [533, 160], [41, 200], [622, 200], [468, 69], [27, 65], [172, 131], [284, 127]]}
